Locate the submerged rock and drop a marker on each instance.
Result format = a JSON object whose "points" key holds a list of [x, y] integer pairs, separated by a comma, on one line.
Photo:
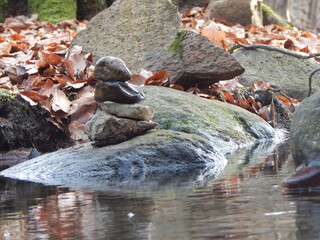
{"points": [[149, 36]]}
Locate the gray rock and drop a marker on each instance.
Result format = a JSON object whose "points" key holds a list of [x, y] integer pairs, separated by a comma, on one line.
{"points": [[186, 4], [196, 60], [305, 132], [147, 36], [111, 69], [288, 73], [227, 126], [193, 133], [105, 129], [132, 111], [160, 153], [119, 92], [245, 12]]}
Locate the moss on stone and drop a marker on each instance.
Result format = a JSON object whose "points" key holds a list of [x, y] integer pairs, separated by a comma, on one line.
{"points": [[53, 10], [5, 97], [270, 17], [176, 46], [187, 126], [3, 10]]}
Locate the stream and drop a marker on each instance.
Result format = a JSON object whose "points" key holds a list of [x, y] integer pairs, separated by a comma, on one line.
{"points": [[243, 202]]}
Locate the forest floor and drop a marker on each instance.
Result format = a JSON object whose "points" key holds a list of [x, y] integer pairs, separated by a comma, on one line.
{"points": [[33, 65]]}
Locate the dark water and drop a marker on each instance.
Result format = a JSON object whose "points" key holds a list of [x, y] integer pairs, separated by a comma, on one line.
{"points": [[243, 202]]}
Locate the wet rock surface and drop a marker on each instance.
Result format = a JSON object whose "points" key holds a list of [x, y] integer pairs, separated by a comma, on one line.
{"points": [[193, 133], [119, 92], [305, 132]]}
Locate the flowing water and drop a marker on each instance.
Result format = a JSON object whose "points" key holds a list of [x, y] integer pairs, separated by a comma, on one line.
{"points": [[243, 202]]}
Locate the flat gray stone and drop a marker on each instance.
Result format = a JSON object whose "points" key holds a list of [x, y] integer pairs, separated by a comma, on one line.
{"points": [[105, 129], [132, 111]]}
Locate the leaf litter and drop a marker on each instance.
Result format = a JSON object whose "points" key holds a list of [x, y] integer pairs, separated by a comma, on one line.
{"points": [[34, 64]]}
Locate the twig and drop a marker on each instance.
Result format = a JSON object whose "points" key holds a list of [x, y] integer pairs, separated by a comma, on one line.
{"points": [[275, 49], [310, 80]]}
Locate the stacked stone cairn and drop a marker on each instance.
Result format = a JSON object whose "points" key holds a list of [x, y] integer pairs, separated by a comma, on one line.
{"points": [[118, 116]]}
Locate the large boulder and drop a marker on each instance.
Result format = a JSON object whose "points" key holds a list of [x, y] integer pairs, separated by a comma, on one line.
{"points": [[193, 133], [283, 71], [245, 12], [148, 36], [305, 132], [227, 126]]}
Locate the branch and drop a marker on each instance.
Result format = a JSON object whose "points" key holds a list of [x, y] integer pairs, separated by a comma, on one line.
{"points": [[310, 79], [275, 49]]}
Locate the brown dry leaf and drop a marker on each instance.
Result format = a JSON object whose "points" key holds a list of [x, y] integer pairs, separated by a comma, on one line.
{"points": [[51, 58], [34, 96], [215, 35], [177, 87], [83, 107], [48, 88], [77, 133], [60, 101], [157, 79], [76, 63]]}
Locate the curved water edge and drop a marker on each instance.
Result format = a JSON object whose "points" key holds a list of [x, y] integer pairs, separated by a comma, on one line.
{"points": [[49, 170]]}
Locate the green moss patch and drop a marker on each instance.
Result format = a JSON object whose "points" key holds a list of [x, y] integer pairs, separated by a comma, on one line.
{"points": [[53, 10], [176, 46], [270, 17]]}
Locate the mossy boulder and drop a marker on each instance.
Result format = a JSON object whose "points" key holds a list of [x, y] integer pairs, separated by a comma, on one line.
{"points": [[24, 126], [53, 10], [227, 126], [270, 17], [193, 134]]}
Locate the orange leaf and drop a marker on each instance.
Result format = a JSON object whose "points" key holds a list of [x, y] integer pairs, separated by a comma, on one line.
{"points": [[215, 35], [229, 97], [177, 87], [34, 95], [157, 79]]}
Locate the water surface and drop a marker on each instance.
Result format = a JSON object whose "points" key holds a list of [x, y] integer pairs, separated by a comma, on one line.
{"points": [[243, 202]]}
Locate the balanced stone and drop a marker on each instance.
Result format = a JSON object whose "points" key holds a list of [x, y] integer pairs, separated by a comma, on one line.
{"points": [[132, 111], [111, 69], [105, 129], [119, 92]]}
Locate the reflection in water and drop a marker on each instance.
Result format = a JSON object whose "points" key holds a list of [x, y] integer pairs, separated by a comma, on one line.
{"points": [[245, 202]]}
